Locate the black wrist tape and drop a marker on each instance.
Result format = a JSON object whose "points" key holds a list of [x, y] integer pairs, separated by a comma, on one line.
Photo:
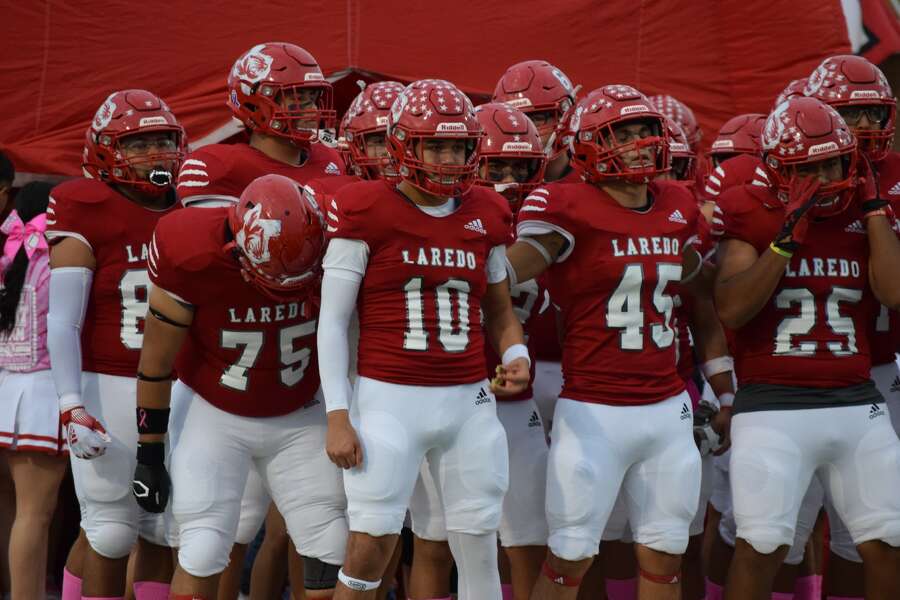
{"points": [[153, 379], [152, 420]]}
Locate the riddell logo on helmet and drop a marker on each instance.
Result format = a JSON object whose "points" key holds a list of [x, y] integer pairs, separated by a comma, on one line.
{"points": [[822, 148], [517, 147], [865, 94], [451, 128], [313, 77], [723, 145], [519, 102], [381, 121], [150, 121], [636, 108]]}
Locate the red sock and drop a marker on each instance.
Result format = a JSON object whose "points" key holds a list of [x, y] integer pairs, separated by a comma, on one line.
{"points": [[103, 598], [782, 595], [151, 590], [621, 589], [507, 591], [844, 598], [714, 591], [71, 586]]}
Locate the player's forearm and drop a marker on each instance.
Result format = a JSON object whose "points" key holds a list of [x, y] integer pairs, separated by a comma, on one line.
{"points": [[525, 261], [740, 297], [69, 293], [338, 303], [884, 258], [706, 329], [501, 325]]}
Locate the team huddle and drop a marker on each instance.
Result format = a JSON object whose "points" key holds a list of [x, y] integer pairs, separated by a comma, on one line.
{"points": [[388, 330]]}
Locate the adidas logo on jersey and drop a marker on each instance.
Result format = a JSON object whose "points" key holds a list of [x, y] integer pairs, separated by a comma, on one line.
{"points": [[855, 227], [875, 411], [332, 169], [482, 397], [677, 217], [895, 387], [534, 420], [895, 190], [685, 412], [475, 225]]}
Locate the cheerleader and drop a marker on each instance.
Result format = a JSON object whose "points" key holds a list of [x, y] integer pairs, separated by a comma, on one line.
{"points": [[30, 433]]}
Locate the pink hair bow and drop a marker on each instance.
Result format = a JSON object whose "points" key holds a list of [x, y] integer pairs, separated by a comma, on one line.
{"points": [[19, 234]]}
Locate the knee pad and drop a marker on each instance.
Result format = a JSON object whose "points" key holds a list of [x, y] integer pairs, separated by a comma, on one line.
{"points": [[318, 575], [572, 548], [111, 540], [204, 552]]}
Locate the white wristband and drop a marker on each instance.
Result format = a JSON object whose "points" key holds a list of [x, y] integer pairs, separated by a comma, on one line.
{"points": [[715, 366], [726, 400], [516, 351], [69, 401]]}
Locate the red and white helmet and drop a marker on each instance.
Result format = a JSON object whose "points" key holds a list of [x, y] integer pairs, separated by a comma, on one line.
{"points": [[433, 108], [125, 114], [263, 88], [680, 153], [794, 88], [739, 135], [678, 111], [802, 131], [278, 237], [595, 149], [845, 81], [509, 134], [537, 86], [368, 113]]}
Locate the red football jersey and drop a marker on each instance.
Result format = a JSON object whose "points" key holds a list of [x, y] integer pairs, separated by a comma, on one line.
{"points": [[420, 299], [742, 169], [244, 353], [814, 331], [614, 284], [118, 232], [222, 171], [543, 335], [886, 336]]}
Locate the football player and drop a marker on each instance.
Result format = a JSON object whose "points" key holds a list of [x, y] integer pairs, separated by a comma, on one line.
{"points": [[363, 130], [100, 228], [279, 94], [511, 161], [860, 93], [802, 266], [432, 246], [234, 299], [615, 247]]}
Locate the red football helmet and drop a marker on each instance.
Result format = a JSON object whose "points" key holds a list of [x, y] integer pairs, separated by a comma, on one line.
{"points": [[269, 84], [509, 134], [535, 86], [739, 135], [794, 88], [122, 115], [680, 153], [679, 112], [802, 131], [854, 86], [597, 150], [368, 114], [433, 108], [278, 237]]}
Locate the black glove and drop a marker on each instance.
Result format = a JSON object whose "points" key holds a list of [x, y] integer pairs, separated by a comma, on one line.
{"points": [[151, 484]]}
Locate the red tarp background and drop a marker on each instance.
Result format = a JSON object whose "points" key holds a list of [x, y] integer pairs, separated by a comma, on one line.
{"points": [[60, 60]]}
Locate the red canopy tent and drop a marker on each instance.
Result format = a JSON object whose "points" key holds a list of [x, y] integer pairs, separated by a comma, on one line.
{"points": [[60, 60]]}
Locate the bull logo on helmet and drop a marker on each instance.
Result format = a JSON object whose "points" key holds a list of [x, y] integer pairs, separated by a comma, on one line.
{"points": [[104, 114], [399, 105], [774, 127], [254, 237], [253, 66], [567, 85]]}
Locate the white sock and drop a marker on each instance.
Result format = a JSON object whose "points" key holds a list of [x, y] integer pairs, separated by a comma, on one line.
{"points": [[476, 561]]}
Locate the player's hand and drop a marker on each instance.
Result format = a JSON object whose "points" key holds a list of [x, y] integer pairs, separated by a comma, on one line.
{"points": [[151, 484], [87, 438], [341, 442], [801, 198], [511, 379], [866, 193], [721, 424]]}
